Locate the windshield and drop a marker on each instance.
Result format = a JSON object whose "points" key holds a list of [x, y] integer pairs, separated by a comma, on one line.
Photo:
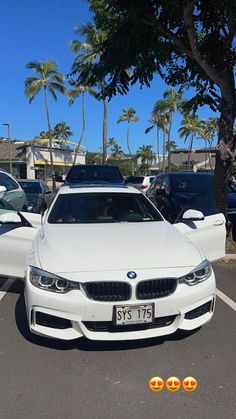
{"points": [[102, 208], [94, 174], [192, 183], [30, 187]]}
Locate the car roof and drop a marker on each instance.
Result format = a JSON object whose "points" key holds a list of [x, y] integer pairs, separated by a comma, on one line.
{"points": [[30, 180], [68, 189], [184, 173]]}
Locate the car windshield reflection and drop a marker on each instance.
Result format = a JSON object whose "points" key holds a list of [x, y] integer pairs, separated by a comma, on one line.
{"points": [[102, 208]]}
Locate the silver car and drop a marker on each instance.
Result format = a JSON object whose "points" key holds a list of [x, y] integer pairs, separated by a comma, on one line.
{"points": [[38, 194], [12, 195]]}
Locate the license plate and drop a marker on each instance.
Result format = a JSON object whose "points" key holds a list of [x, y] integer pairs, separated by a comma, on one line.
{"points": [[134, 314]]}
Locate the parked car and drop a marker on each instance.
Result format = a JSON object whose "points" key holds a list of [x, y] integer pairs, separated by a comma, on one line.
{"points": [[140, 182], [108, 266], [94, 173], [12, 195], [38, 194], [174, 193]]}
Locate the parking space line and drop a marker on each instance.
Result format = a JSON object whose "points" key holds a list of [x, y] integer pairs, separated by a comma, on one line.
{"points": [[6, 287], [226, 299]]}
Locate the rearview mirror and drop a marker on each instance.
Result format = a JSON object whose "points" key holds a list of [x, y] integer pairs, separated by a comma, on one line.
{"points": [[192, 215], [10, 218]]}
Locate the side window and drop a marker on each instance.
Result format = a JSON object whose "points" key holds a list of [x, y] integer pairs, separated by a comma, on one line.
{"points": [[166, 184], [8, 182], [157, 183]]}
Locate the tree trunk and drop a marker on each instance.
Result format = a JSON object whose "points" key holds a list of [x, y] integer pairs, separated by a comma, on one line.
{"points": [[127, 140], [210, 147], [83, 130], [190, 151], [169, 145], [224, 159], [50, 140], [158, 147], [164, 147], [104, 134]]}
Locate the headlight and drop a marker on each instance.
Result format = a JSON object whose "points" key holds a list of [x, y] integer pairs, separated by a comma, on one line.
{"points": [[50, 282], [199, 274]]}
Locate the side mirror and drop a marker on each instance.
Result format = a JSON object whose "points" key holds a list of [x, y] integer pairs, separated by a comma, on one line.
{"points": [[192, 215], [3, 190], [10, 218]]}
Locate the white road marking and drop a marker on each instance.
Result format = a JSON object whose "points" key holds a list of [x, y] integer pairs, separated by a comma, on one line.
{"points": [[226, 299], [6, 287]]}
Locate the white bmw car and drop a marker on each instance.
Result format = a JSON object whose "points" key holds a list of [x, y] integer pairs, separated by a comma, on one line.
{"points": [[106, 265]]}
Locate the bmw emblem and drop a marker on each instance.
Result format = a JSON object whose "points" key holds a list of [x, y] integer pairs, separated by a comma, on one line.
{"points": [[131, 275]]}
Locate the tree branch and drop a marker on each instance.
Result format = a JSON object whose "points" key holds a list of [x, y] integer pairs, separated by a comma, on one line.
{"points": [[170, 35], [232, 29], [201, 60]]}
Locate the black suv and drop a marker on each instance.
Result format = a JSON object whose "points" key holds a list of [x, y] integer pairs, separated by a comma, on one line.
{"points": [[94, 174], [174, 193]]}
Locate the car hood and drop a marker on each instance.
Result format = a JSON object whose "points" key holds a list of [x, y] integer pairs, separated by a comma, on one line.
{"points": [[112, 247]]}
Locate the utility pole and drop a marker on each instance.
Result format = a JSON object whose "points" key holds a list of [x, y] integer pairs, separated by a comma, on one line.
{"points": [[9, 146]]}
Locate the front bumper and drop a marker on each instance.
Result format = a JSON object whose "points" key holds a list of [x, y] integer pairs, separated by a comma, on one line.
{"points": [[73, 315]]}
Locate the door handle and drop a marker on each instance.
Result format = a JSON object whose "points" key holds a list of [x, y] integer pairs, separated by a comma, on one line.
{"points": [[218, 223]]}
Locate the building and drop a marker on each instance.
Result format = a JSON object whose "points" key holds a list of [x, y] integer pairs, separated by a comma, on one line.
{"points": [[201, 159], [32, 161]]}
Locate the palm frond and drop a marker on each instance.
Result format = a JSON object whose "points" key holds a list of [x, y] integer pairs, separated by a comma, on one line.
{"points": [[57, 86], [148, 129], [32, 88], [51, 91]]}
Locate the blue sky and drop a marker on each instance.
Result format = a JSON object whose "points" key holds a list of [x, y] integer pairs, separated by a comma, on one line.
{"points": [[42, 30]]}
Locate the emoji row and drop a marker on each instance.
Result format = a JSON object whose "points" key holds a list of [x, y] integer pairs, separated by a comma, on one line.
{"points": [[173, 384]]}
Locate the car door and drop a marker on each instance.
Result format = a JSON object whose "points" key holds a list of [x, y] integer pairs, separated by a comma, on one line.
{"points": [[16, 240], [209, 235], [152, 191], [14, 195]]}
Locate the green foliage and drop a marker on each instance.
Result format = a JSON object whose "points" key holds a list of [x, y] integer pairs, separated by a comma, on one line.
{"points": [[92, 158], [125, 165], [188, 43], [62, 131], [47, 78], [128, 115]]}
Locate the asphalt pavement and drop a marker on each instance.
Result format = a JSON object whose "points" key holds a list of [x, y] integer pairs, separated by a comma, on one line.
{"points": [[42, 378]]}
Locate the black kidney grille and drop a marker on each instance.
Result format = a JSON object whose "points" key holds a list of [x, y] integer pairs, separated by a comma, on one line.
{"points": [[155, 288], [107, 291]]}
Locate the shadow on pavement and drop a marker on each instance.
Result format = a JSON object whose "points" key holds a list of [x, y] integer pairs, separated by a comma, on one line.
{"points": [[84, 344]]}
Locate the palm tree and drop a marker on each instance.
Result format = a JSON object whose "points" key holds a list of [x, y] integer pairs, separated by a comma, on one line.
{"points": [[73, 94], [43, 135], [89, 51], [146, 154], [116, 150], [156, 121], [171, 102], [191, 126], [62, 130], [208, 132], [50, 81], [129, 116]]}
